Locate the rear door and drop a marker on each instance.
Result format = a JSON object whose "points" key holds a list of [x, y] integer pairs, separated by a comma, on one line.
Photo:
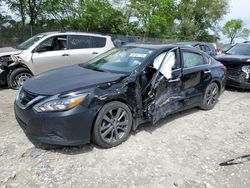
{"points": [[50, 54], [84, 48], [196, 75]]}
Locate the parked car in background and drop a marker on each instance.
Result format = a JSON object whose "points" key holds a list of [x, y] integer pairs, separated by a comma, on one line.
{"points": [[106, 98], [237, 61], [209, 48], [48, 51]]}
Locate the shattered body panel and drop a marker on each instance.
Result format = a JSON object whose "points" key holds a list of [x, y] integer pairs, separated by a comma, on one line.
{"points": [[236, 77], [150, 92]]}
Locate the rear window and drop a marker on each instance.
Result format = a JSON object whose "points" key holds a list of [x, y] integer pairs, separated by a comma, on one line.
{"points": [[99, 42]]}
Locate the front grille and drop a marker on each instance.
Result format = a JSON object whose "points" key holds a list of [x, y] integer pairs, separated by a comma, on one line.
{"points": [[26, 97], [234, 70]]}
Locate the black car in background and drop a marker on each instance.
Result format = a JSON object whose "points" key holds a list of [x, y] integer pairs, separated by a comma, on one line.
{"points": [[112, 94], [237, 61], [206, 47]]}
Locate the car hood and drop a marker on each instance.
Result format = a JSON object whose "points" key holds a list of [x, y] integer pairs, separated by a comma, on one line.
{"points": [[9, 51], [68, 79], [233, 59]]}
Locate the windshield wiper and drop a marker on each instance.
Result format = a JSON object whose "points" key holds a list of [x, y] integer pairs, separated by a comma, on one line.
{"points": [[96, 69]]}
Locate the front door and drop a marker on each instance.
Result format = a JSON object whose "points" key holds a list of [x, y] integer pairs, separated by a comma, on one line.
{"points": [[50, 54], [166, 90]]}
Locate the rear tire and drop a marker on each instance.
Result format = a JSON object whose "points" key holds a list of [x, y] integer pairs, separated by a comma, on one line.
{"points": [[17, 77], [112, 125], [211, 96]]}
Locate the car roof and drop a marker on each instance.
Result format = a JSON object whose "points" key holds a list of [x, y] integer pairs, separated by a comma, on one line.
{"points": [[158, 46], [73, 33], [243, 44]]}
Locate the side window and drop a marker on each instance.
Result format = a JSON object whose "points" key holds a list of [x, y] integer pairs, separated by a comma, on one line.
{"points": [[168, 65], [199, 47], [53, 44], [47, 43], [207, 60], [99, 42], [80, 42], [191, 59], [207, 49]]}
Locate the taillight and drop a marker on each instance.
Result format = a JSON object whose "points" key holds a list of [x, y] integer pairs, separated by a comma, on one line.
{"points": [[218, 50]]}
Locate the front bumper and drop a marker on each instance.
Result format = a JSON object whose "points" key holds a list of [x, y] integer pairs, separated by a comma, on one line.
{"points": [[66, 128], [238, 82]]}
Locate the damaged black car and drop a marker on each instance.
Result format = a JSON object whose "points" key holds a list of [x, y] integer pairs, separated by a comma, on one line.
{"points": [[237, 61], [103, 100]]}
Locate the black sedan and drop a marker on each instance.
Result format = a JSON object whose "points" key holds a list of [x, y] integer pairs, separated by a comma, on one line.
{"points": [[112, 94], [237, 61]]}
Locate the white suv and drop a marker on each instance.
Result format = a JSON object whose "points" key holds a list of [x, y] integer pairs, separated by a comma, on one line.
{"points": [[48, 51]]}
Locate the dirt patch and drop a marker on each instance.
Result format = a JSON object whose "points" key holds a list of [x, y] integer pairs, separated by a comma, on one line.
{"points": [[184, 150]]}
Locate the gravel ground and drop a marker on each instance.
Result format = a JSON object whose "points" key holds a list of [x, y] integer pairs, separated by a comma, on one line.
{"points": [[188, 149]]}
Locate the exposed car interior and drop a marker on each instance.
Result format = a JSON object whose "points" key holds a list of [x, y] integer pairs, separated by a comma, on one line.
{"points": [[53, 44]]}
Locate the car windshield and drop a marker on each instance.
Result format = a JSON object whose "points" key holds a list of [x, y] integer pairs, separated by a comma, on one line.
{"points": [[242, 49], [119, 60], [28, 43]]}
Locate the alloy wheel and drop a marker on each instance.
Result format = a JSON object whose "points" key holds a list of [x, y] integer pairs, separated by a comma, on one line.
{"points": [[115, 125], [212, 95]]}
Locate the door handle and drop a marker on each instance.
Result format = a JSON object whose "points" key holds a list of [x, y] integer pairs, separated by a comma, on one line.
{"points": [[174, 80], [65, 55], [207, 71], [95, 53]]}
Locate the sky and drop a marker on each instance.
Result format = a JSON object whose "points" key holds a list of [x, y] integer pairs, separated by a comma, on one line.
{"points": [[239, 9]]}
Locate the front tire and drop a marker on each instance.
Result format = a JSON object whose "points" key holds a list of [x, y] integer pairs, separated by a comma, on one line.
{"points": [[18, 77], [112, 125], [211, 96]]}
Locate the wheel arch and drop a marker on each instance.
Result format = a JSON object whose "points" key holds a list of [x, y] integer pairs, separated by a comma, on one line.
{"points": [[20, 65], [219, 83], [120, 99]]}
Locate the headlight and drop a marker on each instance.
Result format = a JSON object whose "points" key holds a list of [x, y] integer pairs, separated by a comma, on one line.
{"points": [[246, 69], [56, 103], [5, 59]]}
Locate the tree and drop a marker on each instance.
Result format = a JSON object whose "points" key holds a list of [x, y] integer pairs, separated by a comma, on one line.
{"points": [[156, 17], [19, 8], [235, 29], [196, 18]]}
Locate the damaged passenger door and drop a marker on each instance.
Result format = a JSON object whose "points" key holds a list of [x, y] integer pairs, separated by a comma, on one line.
{"points": [[164, 96]]}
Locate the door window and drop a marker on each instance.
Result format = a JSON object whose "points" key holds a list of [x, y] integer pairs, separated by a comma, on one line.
{"points": [[80, 42], [53, 44], [206, 48], [191, 59], [99, 42]]}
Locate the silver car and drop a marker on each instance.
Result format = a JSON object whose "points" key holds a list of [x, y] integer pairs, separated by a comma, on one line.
{"points": [[48, 51]]}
